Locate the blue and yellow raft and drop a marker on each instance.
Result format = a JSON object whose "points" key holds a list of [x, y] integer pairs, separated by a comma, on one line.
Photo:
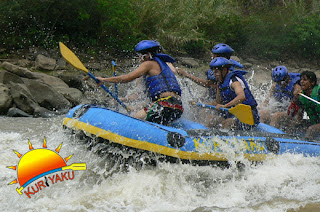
{"points": [[184, 139]]}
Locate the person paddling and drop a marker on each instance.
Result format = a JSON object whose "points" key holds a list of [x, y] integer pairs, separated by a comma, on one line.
{"points": [[219, 50], [285, 87], [232, 90], [311, 89], [161, 83]]}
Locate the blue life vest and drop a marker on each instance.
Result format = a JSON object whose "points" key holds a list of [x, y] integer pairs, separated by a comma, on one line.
{"points": [[286, 93], [210, 76], [227, 94], [164, 82]]}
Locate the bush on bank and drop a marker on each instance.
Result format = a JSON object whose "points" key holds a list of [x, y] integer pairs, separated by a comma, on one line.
{"points": [[266, 29]]}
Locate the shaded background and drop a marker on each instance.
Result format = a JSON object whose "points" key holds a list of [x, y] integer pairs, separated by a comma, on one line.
{"points": [[274, 29]]}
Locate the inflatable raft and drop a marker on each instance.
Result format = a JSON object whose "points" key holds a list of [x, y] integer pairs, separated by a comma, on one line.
{"points": [[184, 140]]}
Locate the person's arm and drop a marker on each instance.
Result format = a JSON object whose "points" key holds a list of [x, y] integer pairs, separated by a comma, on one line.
{"points": [[141, 70], [296, 92], [236, 86], [199, 81], [240, 94]]}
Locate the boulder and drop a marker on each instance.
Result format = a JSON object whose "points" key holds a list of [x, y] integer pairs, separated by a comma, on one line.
{"points": [[235, 58], [46, 96], [5, 99], [188, 62], [73, 81], [247, 65], [24, 63], [73, 95], [15, 112], [42, 112], [61, 63], [21, 72], [22, 98], [45, 63], [7, 77], [53, 82]]}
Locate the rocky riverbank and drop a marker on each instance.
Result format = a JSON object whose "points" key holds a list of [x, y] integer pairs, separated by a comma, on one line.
{"points": [[43, 84]]}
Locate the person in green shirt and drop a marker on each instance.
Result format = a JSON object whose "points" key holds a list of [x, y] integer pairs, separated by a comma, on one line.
{"points": [[311, 89]]}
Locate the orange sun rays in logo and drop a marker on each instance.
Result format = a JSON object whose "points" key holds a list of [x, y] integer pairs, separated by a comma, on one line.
{"points": [[37, 163]]}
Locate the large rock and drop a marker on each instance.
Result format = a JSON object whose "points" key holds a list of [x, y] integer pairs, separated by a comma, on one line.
{"points": [[24, 63], [53, 82], [21, 72], [188, 62], [16, 112], [45, 63], [73, 95], [22, 98], [73, 81], [46, 96], [5, 99], [61, 63], [42, 112], [7, 77]]}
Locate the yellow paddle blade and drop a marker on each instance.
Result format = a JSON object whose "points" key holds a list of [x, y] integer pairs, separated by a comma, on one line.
{"points": [[71, 58], [243, 113], [75, 166]]}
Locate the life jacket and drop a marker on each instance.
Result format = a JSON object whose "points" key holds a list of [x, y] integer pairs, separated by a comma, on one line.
{"points": [[281, 94], [312, 108], [227, 94], [210, 76], [164, 82]]}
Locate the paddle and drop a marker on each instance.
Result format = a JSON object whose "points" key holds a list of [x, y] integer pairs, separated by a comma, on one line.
{"points": [[74, 166], [71, 58], [114, 67], [305, 96], [240, 111]]}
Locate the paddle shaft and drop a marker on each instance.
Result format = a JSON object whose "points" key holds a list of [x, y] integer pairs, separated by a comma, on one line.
{"points": [[305, 96], [212, 106], [71, 58], [106, 89], [114, 65]]}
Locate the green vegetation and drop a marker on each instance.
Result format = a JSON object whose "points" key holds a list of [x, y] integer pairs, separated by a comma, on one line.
{"points": [[267, 29]]}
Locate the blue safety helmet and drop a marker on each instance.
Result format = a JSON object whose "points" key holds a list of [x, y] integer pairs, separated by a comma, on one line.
{"points": [[220, 62], [147, 44], [222, 48], [279, 73]]}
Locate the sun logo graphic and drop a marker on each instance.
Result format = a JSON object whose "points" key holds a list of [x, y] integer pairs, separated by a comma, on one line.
{"points": [[38, 163]]}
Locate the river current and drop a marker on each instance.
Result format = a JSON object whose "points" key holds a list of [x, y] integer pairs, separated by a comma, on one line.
{"points": [[285, 183]]}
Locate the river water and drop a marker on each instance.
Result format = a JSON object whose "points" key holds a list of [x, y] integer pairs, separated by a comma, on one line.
{"points": [[284, 183]]}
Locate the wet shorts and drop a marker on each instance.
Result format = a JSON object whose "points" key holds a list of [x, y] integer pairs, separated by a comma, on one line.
{"points": [[164, 110]]}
